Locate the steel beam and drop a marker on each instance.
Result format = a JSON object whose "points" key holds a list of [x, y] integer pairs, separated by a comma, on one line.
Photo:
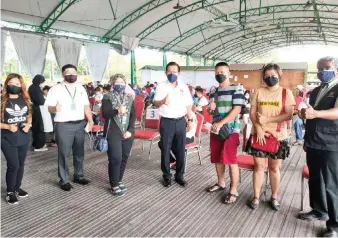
{"points": [[260, 26], [233, 44], [134, 16], [55, 14], [318, 18], [266, 10], [181, 12]]}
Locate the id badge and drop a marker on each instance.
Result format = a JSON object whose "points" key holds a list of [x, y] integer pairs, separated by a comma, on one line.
{"points": [[124, 119], [73, 107]]}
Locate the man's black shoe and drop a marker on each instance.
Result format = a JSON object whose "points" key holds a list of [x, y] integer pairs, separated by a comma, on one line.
{"points": [[81, 181], [313, 216], [67, 187], [167, 182], [181, 182], [329, 233]]}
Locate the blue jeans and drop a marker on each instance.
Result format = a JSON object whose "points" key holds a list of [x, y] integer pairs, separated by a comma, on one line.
{"points": [[298, 129]]}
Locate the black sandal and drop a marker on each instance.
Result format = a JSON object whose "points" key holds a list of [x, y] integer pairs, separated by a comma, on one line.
{"points": [[274, 206], [217, 186], [254, 206], [228, 197]]}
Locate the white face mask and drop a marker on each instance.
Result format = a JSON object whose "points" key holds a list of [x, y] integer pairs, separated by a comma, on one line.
{"points": [[42, 85], [247, 96]]}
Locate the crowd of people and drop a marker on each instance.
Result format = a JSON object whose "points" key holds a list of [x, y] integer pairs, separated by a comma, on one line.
{"points": [[65, 109]]}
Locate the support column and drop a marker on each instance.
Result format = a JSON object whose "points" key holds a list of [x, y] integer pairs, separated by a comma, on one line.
{"points": [[205, 62], [132, 68], [51, 71], [201, 61], [18, 66], [187, 60], [164, 59]]}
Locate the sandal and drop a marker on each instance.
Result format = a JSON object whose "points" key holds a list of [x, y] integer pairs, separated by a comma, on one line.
{"points": [[228, 200], [254, 206], [216, 187], [275, 204]]}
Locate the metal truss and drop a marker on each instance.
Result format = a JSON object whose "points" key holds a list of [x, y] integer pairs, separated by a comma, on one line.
{"points": [[204, 4], [266, 10], [134, 16], [281, 42], [55, 14], [256, 27], [291, 33]]}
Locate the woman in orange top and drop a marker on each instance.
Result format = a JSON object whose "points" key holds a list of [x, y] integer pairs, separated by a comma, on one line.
{"points": [[265, 114]]}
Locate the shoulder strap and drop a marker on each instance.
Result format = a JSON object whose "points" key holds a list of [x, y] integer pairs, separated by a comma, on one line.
{"points": [[279, 125]]}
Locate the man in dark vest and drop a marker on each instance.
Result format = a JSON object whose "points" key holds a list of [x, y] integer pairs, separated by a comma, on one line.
{"points": [[321, 145]]}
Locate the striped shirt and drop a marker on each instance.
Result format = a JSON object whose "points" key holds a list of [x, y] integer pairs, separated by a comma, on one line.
{"points": [[226, 99]]}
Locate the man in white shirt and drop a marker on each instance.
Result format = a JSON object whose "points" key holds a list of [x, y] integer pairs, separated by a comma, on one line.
{"points": [[174, 101], [69, 101]]}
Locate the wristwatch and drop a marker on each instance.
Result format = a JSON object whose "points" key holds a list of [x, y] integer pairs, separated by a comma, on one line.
{"points": [[191, 120]]}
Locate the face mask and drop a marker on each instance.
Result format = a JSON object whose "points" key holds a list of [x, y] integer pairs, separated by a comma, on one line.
{"points": [[119, 88], [326, 75], [221, 77], [271, 81], [247, 96], [42, 85], [172, 78], [71, 78], [12, 89]]}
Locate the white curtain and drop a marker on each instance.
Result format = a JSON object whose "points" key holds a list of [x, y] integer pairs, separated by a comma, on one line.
{"points": [[97, 56], [31, 50], [128, 44], [3, 48], [67, 51]]}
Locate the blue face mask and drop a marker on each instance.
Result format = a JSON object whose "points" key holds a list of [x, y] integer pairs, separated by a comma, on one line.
{"points": [[326, 75], [172, 78], [119, 88]]}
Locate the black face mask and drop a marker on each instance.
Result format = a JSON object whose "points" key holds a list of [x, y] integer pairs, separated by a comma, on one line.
{"points": [[221, 77], [71, 78], [271, 81], [12, 89]]}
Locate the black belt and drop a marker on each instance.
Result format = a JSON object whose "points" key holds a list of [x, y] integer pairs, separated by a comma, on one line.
{"points": [[173, 119], [73, 122]]}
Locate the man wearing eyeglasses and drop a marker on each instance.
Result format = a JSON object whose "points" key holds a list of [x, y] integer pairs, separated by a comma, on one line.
{"points": [[174, 101], [321, 145]]}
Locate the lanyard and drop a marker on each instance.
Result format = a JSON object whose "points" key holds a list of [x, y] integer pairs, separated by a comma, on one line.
{"points": [[72, 97]]}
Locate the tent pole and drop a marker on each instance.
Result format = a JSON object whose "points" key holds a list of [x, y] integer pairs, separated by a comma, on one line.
{"points": [[132, 67]]}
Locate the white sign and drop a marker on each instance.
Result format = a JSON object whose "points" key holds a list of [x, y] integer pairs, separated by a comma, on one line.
{"points": [[235, 78], [246, 76], [152, 114]]}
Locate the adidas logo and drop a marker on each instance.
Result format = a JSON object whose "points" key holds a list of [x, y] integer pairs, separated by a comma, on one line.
{"points": [[17, 113]]}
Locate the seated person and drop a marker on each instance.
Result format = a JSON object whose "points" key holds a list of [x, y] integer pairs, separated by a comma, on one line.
{"points": [[106, 89], [201, 100], [97, 105], [189, 139]]}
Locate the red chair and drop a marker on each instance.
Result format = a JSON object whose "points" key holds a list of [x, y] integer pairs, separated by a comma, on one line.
{"points": [[195, 145], [193, 108], [149, 135], [246, 162], [91, 102], [139, 109], [305, 175], [96, 129], [207, 118]]}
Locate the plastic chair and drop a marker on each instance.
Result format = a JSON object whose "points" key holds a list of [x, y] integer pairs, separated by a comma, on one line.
{"points": [[195, 145], [149, 135], [305, 175], [207, 118], [139, 109], [96, 129]]}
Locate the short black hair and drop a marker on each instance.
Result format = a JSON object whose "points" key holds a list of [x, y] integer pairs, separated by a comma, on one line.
{"points": [[222, 64], [97, 89], [173, 64], [151, 85], [68, 66], [46, 88], [107, 87], [199, 89]]}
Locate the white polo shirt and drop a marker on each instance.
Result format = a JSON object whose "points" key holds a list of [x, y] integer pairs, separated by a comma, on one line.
{"points": [[179, 99], [60, 95]]}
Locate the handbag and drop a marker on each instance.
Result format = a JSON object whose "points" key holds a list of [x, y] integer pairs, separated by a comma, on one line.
{"points": [[101, 143], [272, 144]]}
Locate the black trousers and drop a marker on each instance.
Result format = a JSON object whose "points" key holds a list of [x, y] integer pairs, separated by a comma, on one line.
{"points": [[172, 158], [15, 157], [323, 184], [118, 154], [39, 139], [173, 136]]}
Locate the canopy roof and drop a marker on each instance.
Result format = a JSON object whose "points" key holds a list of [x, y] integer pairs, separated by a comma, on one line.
{"points": [[231, 30]]}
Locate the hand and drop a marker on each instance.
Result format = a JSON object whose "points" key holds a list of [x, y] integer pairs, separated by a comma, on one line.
{"points": [[127, 135], [25, 127], [58, 107], [262, 119], [89, 126], [189, 125], [212, 106], [166, 100], [12, 127], [309, 112], [304, 148], [122, 109], [216, 126], [260, 136]]}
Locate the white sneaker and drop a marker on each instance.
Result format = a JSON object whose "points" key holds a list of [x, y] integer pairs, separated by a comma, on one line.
{"points": [[41, 149]]}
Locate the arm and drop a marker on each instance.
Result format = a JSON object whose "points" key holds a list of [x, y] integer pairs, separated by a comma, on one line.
{"points": [[160, 102], [331, 114], [4, 126], [107, 110], [253, 117], [132, 119], [88, 114], [231, 115], [189, 112], [282, 117], [52, 109]]}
